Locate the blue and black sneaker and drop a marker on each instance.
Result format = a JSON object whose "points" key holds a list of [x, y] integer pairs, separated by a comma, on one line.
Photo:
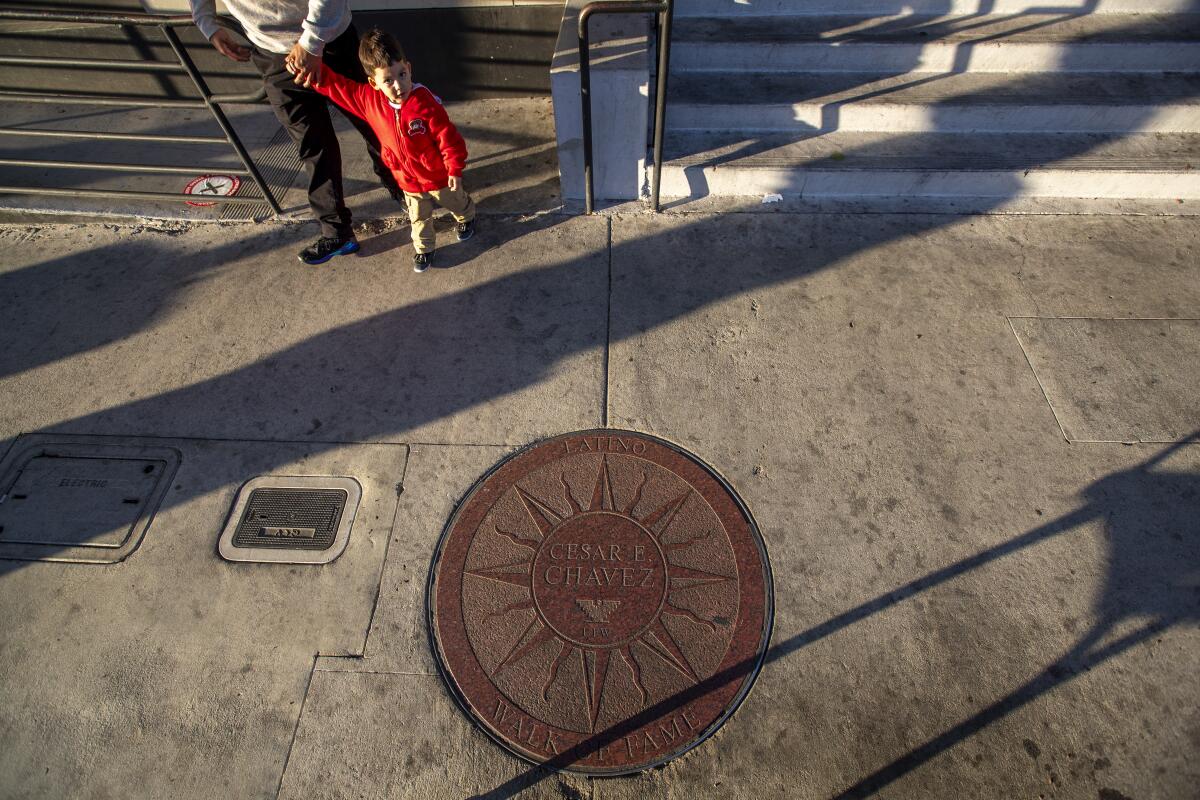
{"points": [[326, 248]]}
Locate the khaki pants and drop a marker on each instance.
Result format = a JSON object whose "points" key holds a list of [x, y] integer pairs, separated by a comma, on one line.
{"points": [[420, 213]]}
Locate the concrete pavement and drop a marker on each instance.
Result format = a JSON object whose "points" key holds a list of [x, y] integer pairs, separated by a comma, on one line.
{"points": [[981, 589]]}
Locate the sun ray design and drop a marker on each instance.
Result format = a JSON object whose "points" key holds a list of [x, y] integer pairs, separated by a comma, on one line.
{"points": [[603, 490], [700, 577], [575, 507], [637, 496], [658, 520], [595, 673], [660, 640], [636, 669], [519, 605], [548, 514], [526, 644], [543, 515], [563, 653], [676, 611], [532, 544], [691, 540], [504, 573]]}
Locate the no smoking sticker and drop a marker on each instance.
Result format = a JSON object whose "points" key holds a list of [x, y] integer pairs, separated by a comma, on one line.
{"points": [[211, 186]]}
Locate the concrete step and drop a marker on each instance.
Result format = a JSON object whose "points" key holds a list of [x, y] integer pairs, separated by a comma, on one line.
{"points": [[806, 102], [880, 8], [880, 165], [992, 43]]}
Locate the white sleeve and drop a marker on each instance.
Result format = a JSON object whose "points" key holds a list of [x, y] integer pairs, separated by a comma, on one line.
{"points": [[204, 14], [323, 20]]}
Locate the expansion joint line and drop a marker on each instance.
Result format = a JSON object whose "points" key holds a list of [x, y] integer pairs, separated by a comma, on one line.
{"points": [[296, 730], [607, 323], [387, 546]]}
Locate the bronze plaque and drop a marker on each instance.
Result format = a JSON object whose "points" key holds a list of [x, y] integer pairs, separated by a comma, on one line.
{"points": [[601, 602]]}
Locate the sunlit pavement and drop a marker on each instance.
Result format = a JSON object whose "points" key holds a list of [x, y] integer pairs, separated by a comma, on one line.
{"points": [[964, 438]]}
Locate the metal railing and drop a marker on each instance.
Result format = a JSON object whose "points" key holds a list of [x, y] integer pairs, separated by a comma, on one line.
{"points": [[213, 102], [663, 9]]}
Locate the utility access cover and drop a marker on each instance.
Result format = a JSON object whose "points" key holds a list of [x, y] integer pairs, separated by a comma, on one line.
{"points": [[68, 500], [601, 602], [291, 520]]}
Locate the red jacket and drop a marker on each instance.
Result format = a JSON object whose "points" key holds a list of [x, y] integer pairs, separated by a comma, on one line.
{"points": [[418, 142]]}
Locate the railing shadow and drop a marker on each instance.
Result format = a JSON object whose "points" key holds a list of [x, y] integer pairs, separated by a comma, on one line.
{"points": [[494, 365], [1151, 520], [76, 282], [457, 351]]}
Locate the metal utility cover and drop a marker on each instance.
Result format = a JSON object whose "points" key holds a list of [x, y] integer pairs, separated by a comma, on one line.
{"points": [[291, 520], [75, 502]]}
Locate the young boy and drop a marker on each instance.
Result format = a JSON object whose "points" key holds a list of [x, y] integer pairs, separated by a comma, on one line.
{"points": [[418, 142]]}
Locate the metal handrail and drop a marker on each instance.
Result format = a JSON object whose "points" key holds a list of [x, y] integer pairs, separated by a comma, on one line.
{"points": [[213, 102], [663, 9], [109, 166], [123, 137], [95, 17], [89, 63]]}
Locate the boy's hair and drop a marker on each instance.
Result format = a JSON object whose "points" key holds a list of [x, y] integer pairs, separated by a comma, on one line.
{"points": [[379, 50]]}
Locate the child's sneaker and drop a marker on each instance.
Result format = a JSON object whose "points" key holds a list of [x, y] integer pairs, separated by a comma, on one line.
{"points": [[421, 261], [465, 230], [326, 248]]}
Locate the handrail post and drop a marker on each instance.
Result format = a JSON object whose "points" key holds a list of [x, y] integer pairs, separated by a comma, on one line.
{"points": [[660, 97], [663, 11], [585, 96], [222, 120]]}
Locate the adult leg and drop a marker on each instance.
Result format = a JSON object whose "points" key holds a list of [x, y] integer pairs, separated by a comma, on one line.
{"points": [[342, 56], [305, 115]]}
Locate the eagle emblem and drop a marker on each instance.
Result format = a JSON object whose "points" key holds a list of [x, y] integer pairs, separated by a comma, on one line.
{"points": [[597, 610]]}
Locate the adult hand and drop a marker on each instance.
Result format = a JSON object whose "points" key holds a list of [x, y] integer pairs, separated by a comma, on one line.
{"points": [[304, 66], [455, 183], [228, 46]]}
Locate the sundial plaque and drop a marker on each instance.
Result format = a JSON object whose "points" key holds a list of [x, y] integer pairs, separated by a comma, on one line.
{"points": [[600, 602]]}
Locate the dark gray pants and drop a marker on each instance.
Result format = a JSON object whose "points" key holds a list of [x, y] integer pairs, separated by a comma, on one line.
{"points": [[305, 115]]}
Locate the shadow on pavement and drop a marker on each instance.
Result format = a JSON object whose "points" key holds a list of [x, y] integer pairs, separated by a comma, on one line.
{"points": [[472, 350], [1151, 520], [81, 302]]}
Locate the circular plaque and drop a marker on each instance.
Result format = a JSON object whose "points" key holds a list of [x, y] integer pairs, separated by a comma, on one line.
{"points": [[600, 602]]}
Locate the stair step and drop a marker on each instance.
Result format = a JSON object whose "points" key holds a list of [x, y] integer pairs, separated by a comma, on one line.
{"points": [[879, 8], [845, 151], [802, 102], [880, 165], [996, 43]]}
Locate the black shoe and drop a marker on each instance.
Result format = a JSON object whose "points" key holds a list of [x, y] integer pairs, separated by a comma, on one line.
{"points": [[465, 230], [422, 261], [326, 248]]}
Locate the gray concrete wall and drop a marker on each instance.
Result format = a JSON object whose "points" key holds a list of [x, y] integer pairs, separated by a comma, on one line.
{"points": [[620, 77]]}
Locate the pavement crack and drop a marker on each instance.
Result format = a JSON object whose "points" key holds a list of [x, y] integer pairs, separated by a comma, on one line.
{"points": [[296, 730]]}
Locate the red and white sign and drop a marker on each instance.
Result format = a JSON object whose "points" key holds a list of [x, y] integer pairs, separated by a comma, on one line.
{"points": [[211, 186]]}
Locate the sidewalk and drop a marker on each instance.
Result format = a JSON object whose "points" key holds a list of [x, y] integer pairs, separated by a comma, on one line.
{"points": [[957, 434]]}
